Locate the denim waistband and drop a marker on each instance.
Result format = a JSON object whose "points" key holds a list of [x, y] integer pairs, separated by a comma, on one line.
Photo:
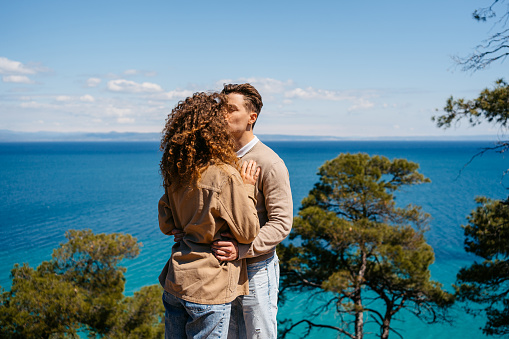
{"points": [[261, 260]]}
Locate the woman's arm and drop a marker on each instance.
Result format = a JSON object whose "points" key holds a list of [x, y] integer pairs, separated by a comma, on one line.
{"points": [[238, 204], [166, 222]]}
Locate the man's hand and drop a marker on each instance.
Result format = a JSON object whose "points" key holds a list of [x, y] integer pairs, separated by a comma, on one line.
{"points": [[177, 234], [226, 250]]}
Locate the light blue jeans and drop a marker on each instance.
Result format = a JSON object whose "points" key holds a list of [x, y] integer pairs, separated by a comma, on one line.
{"points": [[184, 319], [254, 315]]}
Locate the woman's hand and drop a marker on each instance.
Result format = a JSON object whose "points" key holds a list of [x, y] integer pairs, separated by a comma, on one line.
{"points": [[177, 234], [249, 172]]}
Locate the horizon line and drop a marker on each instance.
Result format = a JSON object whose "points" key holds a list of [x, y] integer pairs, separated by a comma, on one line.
{"points": [[12, 136]]}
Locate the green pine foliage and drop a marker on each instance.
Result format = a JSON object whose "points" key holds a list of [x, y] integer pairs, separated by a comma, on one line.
{"points": [[487, 283], [354, 246], [492, 106], [39, 305], [81, 289]]}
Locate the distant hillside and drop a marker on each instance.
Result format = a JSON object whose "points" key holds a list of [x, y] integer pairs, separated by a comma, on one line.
{"points": [[278, 137], [13, 136]]}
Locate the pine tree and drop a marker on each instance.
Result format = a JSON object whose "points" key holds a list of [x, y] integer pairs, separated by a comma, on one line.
{"points": [[487, 283], [81, 288], [487, 233], [361, 251]]}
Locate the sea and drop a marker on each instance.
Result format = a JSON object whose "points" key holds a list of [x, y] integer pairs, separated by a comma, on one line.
{"points": [[47, 188]]}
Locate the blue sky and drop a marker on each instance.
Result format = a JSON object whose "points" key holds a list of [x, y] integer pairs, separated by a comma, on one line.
{"points": [[339, 68]]}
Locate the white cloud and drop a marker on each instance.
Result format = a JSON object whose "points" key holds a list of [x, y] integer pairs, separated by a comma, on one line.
{"points": [[93, 82], [268, 85], [32, 104], [63, 98], [74, 99], [127, 86], [138, 72], [320, 94], [87, 98], [264, 85], [19, 79], [117, 112], [176, 94], [361, 104], [15, 67], [125, 120]]}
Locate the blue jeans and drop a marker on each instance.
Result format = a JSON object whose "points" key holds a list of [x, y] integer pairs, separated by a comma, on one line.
{"points": [[254, 315], [184, 319]]}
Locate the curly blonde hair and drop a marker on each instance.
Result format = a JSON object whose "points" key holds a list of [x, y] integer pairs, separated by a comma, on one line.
{"points": [[195, 136]]}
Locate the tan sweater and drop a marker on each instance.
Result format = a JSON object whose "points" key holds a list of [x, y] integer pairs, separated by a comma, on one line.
{"points": [[220, 203], [274, 203]]}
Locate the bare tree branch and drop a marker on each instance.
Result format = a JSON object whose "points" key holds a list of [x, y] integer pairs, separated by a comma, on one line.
{"points": [[310, 325]]}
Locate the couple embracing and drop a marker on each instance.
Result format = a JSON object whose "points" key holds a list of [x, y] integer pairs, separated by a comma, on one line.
{"points": [[228, 204]]}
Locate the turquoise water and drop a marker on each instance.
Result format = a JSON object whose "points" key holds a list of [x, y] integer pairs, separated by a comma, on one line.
{"points": [[47, 188]]}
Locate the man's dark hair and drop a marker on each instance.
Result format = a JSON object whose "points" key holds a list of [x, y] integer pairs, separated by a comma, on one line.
{"points": [[252, 98]]}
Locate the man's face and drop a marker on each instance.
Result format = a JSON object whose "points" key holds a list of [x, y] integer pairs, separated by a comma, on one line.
{"points": [[238, 117]]}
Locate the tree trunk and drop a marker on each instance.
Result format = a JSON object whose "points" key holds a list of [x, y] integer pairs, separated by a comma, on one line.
{"points": [[385, 328], [359, 318], [386, 324], [359, 310]]}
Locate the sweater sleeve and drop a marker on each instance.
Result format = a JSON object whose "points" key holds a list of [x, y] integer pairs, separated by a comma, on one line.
{"points": [[238, 208], [166, 222], [275, 186]]}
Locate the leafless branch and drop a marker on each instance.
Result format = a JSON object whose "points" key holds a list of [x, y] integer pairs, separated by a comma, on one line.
{"points": [[310, 325], [501, 147]]}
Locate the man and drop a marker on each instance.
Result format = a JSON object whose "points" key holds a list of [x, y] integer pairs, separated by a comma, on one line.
{"points": [[254, 315]]}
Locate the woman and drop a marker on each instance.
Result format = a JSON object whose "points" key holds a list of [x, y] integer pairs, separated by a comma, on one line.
{"points": [[205, 195]]}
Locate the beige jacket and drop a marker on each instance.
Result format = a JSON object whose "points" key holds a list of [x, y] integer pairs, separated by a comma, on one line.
{"points": [[220, 203], [274, 203]]}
